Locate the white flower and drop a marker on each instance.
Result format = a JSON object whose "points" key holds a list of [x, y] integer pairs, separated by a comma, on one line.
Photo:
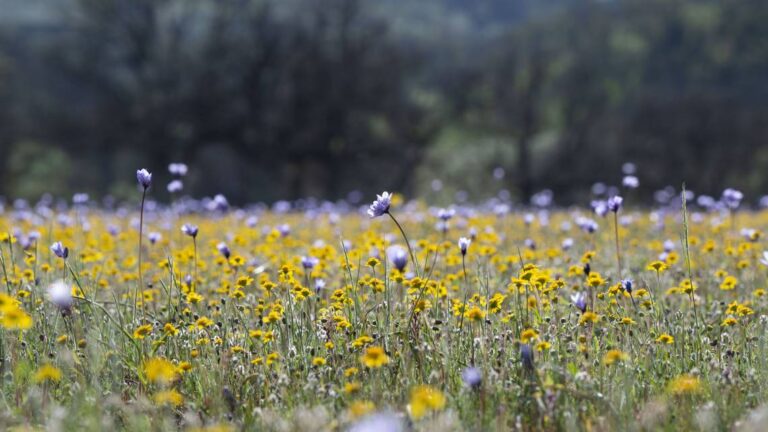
{"points": [[60, 294]]}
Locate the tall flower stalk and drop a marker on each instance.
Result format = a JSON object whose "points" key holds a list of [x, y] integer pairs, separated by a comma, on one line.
{"points": [[614, 204], [379, 207], [144, 178]]}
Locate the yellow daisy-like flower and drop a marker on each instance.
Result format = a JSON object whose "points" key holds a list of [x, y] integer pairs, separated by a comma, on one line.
{"points": [[588, 317], [142, 331], [169, 398], [684, 385], [665, 339], [16, 319], [47, 373], [374, 357], [318, 361], [528, 335], [160, 371], [425, 399], [614, 356]]}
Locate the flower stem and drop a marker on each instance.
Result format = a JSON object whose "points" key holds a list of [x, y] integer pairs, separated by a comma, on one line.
{"points": [[407, 243]]}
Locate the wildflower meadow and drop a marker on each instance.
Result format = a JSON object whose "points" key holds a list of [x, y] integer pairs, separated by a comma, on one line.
{"points": [[387, 316]]}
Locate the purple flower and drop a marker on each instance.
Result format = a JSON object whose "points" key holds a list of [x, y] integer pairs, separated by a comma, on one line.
{"points": [[398, 256], [154, 237], [627, 285], [472, 377], [380, 205], [464, 244], [732, 198], [630, 182], [178, 169], [144, 177], [567, 244], [600, 207], [614, 203], [80, 198], [319, 285], [309, 262], [224, 250], [190, 230], [526, 355], [446, 214], [59, 250], [579, 300], [175, 186]]}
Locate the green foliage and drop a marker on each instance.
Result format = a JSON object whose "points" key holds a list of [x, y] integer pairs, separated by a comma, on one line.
{"points": [[34, 169]]}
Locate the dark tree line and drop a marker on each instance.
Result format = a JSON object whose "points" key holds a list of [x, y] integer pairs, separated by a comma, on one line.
{"points": [[282, 99]]}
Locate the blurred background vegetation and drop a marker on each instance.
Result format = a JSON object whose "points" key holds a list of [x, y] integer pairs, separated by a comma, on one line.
{"points": [[281, 99]]}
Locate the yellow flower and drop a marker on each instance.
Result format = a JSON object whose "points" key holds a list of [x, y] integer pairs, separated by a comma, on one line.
{"points": [[47, 373], [374, 357], [657, 266], [728, 283], [360, 408], [684, 384], [730, 321], [475, 314], [169, 397], [543, 346], [614, 356], [424, 399], [16, 319], [528, 335], [352, 387], [588, 317], [159, 370], [318, 361], [142, 331], [665, 339]]}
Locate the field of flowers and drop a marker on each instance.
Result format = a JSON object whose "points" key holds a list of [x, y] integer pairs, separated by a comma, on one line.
{"points": [[390, 318]]}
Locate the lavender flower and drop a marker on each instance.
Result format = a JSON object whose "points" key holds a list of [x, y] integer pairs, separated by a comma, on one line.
{"points": [[309, 262], [464, 244], [472, 377], [379, 422], [398, 256], [567, 244], [732, 198], [144, 177], [580, 301], [446, 214], [60, 295], [319, 285], [526, 355], [178, 169], [154, 237], [224, 250], [60, 250], [627, 285], [764, 259], [600, 207], [614, 203], [190, 230], [175, 186], [630, 182], [381, 205]]}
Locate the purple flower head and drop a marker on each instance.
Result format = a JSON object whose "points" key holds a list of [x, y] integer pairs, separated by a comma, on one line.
{"points": [[381, 205], [398, 256], [178, 169], [567, 244], [144, 177], [190, 230], [600, 207], [587, 269], [526, 355], [60, 250], [580, 301], [530, 244], [284, 230], [446, 214], [154, 237], [175, 186], [630, 182], [319, 285], [472, 377], [80, 198], [309, 262], [732, 198], [587, 225], [464, 244], [224, 250], [627, 285], [614, 203], [628, 168]]}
